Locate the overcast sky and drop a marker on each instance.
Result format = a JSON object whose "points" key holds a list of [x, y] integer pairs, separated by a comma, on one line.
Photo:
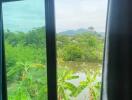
{"points": [[70, 14]]}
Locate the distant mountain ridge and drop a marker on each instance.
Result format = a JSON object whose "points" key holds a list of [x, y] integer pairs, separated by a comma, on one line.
{"points": [[72, 32], [81, 30]]}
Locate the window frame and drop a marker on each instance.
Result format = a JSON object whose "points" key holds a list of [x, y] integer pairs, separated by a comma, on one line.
{"points": [[3, 84], [50, 48], [112, 72]]}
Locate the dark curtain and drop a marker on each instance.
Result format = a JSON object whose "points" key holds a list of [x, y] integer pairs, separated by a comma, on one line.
{"points": [[117, 75]]}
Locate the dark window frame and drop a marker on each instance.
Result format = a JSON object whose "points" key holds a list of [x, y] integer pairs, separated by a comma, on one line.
{"points": [[50, 48], [3, 85], [116, 83]]}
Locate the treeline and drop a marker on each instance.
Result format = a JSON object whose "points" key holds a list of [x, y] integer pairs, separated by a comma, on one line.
{"points": [[35, 38], [79, 47]]}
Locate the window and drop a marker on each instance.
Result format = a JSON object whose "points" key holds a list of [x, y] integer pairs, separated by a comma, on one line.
{"points": [[25, 49], [80, 32]]}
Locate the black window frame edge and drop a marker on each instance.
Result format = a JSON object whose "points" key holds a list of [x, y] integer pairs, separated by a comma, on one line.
{"points": [[103, 95], [50, 48], [3, 84]]}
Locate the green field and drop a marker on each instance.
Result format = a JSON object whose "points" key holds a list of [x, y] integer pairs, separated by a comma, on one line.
{"points": [[26, 64]]}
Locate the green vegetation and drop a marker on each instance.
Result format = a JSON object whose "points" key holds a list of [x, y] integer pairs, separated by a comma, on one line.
{"points": [[85, 47], [26, 64]]}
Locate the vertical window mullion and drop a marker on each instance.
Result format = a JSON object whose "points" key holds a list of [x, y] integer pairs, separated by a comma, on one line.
{"points": [[51, 49]]}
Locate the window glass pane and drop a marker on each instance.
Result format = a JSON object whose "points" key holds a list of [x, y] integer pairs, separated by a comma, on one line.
{"points": [[80, 26], [24, 31]]}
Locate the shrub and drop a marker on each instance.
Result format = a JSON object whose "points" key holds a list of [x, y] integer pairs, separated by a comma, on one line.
{"points": [[72, 53]]}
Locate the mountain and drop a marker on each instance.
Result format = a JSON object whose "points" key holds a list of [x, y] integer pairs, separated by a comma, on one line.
{"points": [[81, 30], [72, 32]]}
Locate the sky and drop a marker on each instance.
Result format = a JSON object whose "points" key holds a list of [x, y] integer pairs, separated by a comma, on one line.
{"points": [[69, 14]]}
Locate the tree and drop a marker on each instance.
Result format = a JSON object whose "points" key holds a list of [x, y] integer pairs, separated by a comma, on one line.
{"points": [[72, 53], [92, 83], [63, 84]]}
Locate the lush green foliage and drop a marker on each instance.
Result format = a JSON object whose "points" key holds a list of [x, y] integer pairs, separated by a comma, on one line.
{"points": [[80, 47], [26, 64], [63, 84], [92, 83]]}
